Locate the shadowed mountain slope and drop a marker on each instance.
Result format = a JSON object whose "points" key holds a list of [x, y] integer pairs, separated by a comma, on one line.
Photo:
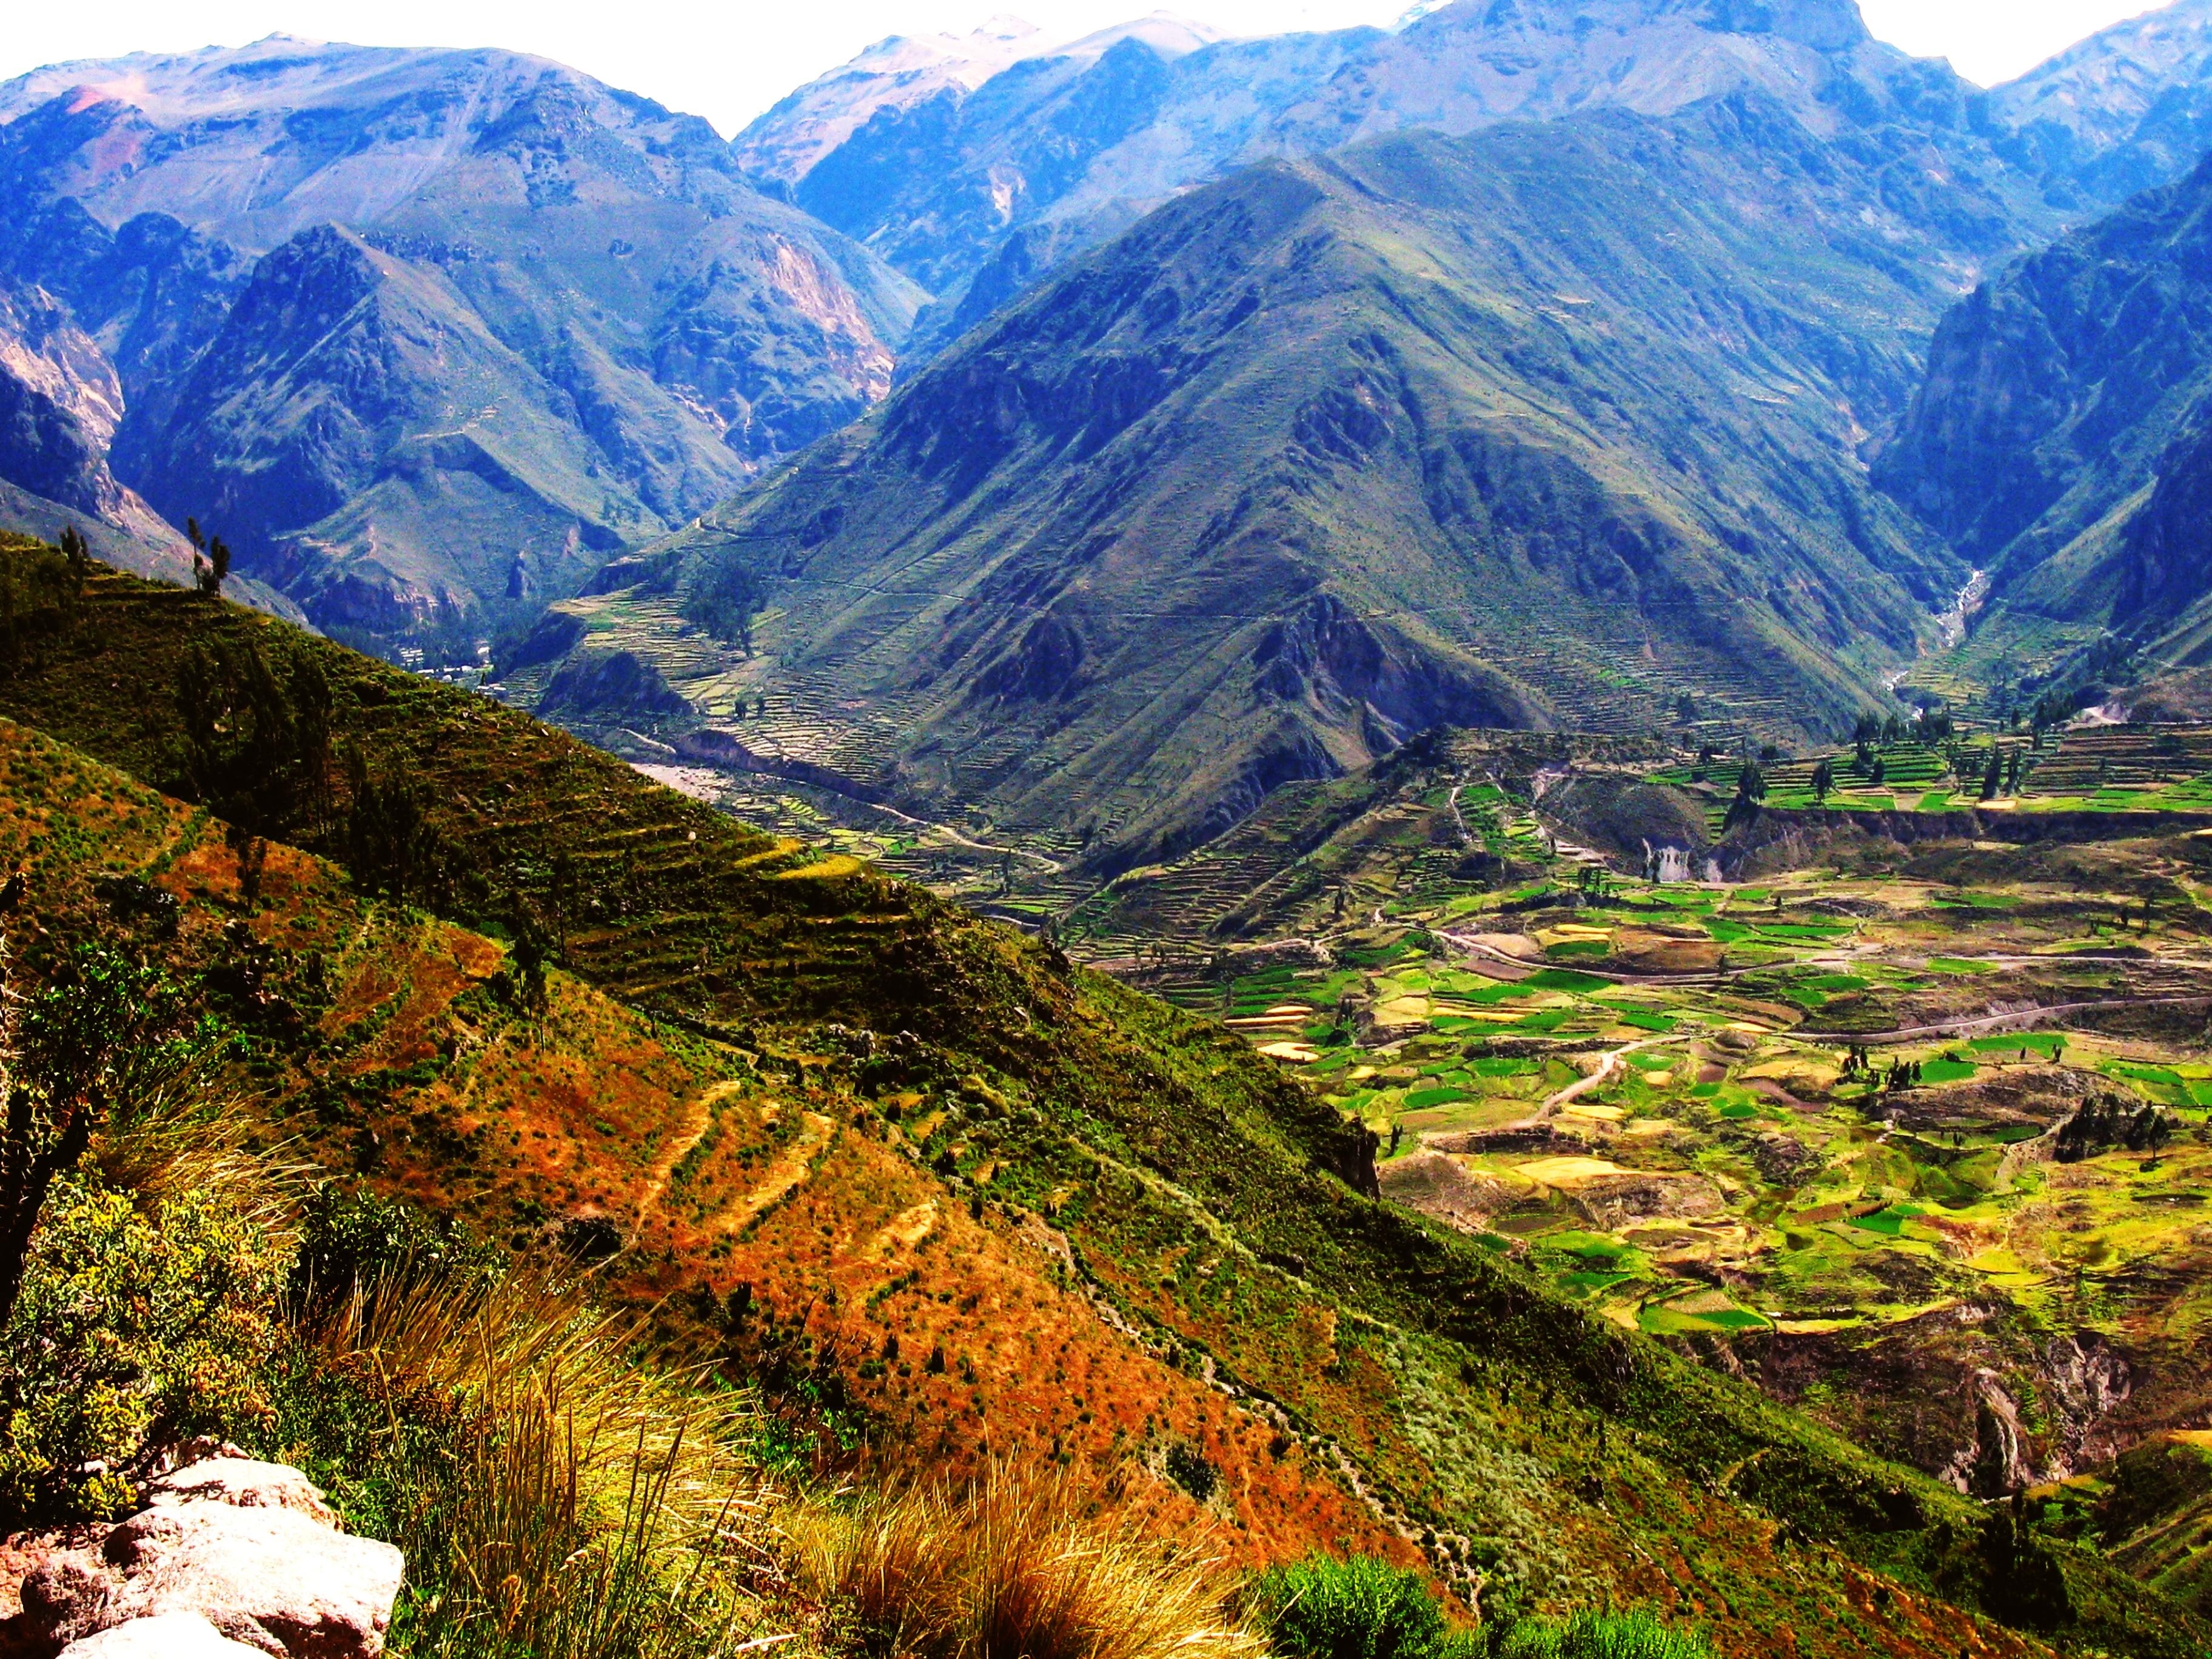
{"points": [[60, 404], [451, 246], [2060, 438], [934, 1107], [1553, 424]]}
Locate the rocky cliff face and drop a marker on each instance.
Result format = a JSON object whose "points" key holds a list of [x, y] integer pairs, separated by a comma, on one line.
{"points": [[592, 326], [60, 403]]}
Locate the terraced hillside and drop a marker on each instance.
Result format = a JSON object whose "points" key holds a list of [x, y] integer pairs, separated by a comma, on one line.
{"points": [[868, 1087], [1910, 1128], [539, 1112]]}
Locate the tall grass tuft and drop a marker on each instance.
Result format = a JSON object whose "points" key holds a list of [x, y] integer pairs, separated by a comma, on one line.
{"points": [[552, 1499], [1014, 1567]]}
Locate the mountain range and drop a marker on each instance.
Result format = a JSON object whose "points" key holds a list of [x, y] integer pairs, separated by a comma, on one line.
{"points": [[961, 179], [1532, 363], [1141, 457], [1544, 425]]}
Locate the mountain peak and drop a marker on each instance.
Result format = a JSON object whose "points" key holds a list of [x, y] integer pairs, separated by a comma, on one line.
{"points": [[904, 72], [1825, 25]]}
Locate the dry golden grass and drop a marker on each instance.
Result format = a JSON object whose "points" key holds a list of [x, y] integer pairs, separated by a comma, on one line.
{"points": [[579, 1506], [531, 1345], [182, 1130], [1018, 1566]]}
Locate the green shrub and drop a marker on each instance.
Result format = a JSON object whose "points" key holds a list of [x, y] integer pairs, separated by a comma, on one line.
{"points": [[1359, 1608], [142, 1318], [1602, 1636], [351, 1236]]}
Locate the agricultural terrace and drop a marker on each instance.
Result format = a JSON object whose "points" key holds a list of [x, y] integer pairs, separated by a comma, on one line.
{"points": [[1833, 1104]]}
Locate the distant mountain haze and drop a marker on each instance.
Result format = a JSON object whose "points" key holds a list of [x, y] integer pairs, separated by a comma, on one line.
{"points": [[464, 323], [989, 182], [2123, 111], [730, 64]]}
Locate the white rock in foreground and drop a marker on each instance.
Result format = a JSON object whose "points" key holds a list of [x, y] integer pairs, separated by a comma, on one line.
{"points": [[243, 1482], [247, 1549], [171, 1636]]}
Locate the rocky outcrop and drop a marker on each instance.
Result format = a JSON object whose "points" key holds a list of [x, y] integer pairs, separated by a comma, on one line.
{"points": [[2079, 1380], [230, 1555]]}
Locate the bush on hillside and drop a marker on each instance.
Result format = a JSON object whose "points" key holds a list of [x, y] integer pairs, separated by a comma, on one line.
{"points": [[139, 1323], [1358, 1608], [350, 1236], [1602, 1636]]}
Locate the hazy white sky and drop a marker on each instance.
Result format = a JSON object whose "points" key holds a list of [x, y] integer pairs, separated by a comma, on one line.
{"points": [[728, 61]]}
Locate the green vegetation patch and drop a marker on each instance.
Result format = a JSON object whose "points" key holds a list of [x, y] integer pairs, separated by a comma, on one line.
{"points": [[1889, 1221], [1418, 1099], [1564, 979], [1505, 1066]]}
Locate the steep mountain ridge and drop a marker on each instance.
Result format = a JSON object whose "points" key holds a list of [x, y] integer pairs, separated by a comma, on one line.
{"points": [[783, 144], [669, 328], [2124, 111], [387, 456], [60, 402], [1549, 423]]}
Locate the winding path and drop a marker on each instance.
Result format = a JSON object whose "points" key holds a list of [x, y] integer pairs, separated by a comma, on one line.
{"points": [[1607, 1067]]}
